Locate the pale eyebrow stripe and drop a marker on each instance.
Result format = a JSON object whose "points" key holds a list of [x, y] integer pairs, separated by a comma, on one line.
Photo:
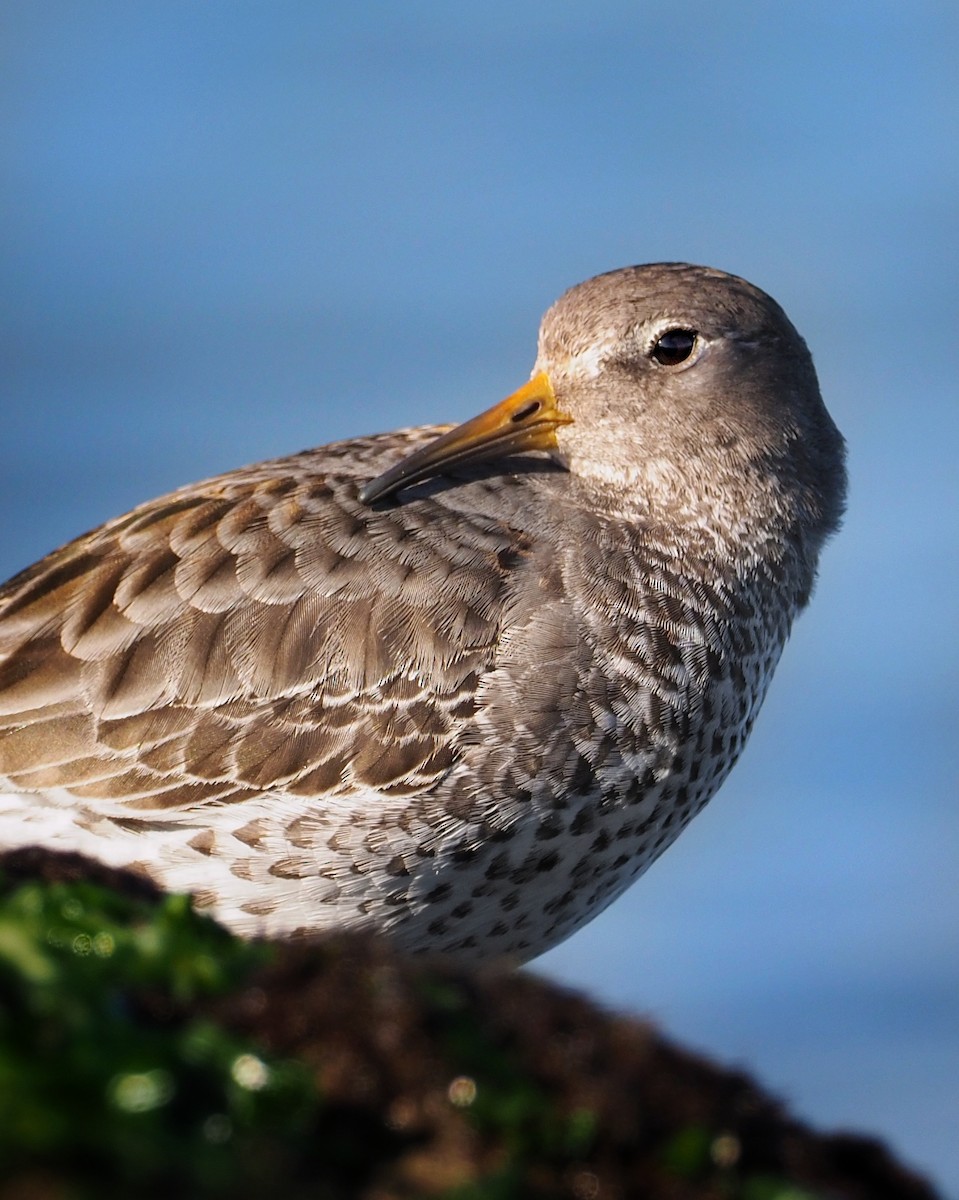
{"points": [[588, 363]]}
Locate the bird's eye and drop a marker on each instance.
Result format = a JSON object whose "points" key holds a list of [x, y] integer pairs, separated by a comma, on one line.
{"points": [[674, 347]]}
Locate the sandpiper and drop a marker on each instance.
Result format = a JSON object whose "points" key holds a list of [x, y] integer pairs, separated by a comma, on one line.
{"points": [[460, 686]]}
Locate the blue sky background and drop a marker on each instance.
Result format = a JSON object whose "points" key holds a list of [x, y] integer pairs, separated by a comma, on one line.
{"points": [[232, 230]]}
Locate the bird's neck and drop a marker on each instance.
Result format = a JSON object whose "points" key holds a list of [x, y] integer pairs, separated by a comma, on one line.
{"points": [[739, 518]]}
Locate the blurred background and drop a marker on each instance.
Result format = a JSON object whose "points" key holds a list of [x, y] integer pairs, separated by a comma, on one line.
{"points": [[233, 230]]}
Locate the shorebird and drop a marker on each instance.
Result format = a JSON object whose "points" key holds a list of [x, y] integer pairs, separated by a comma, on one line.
{"points": [[459, 686]]}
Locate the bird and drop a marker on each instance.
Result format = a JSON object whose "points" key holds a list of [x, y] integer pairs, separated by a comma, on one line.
{"points": [[455, 685]]}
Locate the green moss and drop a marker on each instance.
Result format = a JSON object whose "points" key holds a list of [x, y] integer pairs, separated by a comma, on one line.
{"points": [[761, 1187], [688, 1153], [97, 1088]]}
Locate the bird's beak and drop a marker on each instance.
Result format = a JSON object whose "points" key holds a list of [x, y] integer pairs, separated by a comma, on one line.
{"points": [[527, 420]]}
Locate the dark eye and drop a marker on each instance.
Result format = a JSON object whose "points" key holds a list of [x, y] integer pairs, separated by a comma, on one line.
{"points": [[674, 347]]}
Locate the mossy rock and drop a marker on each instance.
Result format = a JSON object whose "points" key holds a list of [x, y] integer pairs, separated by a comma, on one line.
{"points": [[145, 1051]]}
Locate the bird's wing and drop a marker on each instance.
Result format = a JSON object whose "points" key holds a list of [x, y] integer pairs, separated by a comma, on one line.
{"points": [[260, 631]]}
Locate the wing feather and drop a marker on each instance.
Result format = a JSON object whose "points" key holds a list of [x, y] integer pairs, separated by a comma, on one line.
{"points": [[260, 631]]}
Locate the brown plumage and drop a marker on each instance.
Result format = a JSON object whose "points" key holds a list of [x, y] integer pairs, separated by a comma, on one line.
{"points": [[464, 700]]}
